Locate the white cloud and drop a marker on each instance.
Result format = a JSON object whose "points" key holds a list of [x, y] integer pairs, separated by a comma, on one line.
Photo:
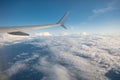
{"points": [[6, 39], [65, 34], [15, 68], [109, 7], [81, 56], [52, 71], [72, 58], [103, 10], [43, 34], [33, 57], [84, 33]]}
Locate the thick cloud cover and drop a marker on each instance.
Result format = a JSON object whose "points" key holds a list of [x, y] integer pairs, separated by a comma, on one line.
{"points": [[81, 57]]}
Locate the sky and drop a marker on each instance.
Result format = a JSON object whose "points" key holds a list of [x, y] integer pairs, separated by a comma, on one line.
{"points": [[85, 15]]}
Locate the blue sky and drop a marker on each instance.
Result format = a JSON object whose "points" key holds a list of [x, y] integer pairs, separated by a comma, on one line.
{"points": [[85, 15]]}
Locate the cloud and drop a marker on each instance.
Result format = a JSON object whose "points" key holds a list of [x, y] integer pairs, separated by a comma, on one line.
{"points": [[79, 57], [43, 34], [84, 33], [103, 10], [109, 7], [83, 57], [6, 39], [34, 56], [65, 33], [52, 71], [15, 68]]}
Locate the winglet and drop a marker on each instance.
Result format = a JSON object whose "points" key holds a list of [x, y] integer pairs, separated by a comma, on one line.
{"points": [[63, 19]]}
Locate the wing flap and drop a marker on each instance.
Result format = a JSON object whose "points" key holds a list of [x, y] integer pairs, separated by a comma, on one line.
{"points": [[19, 33]]}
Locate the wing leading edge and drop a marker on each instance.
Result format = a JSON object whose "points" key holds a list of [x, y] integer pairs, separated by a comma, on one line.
{"points": [[17, 30]]}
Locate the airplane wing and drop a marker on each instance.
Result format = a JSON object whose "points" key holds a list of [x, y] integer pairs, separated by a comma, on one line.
{"points": [[17, 30]]}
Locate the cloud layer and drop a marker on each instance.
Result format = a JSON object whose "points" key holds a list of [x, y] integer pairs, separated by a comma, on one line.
{"points": [[81, 57]]}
